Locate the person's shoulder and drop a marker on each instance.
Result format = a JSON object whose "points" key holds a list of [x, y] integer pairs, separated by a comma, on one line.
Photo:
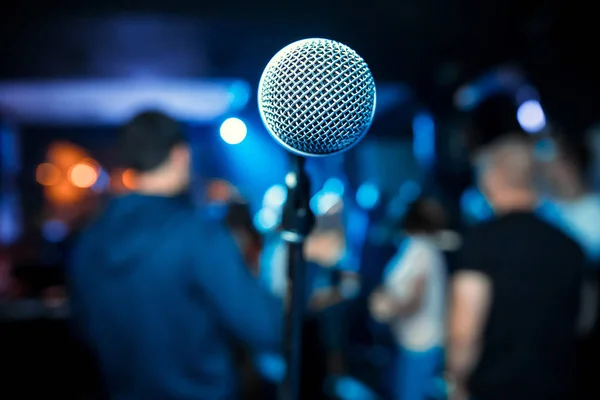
{"points": [[198, 221], [518, 224], [556, 237], [564, 239], [209, 224], [486, 226], [422, 245], [428, 249], [479, 244], [480, 232], [410, 250]]}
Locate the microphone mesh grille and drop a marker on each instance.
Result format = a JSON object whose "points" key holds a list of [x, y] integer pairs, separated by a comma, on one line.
{"points": [[317, 97]]}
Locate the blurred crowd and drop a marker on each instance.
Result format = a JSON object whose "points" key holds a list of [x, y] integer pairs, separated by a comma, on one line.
{"points": [[509, 311], [513, 313]]}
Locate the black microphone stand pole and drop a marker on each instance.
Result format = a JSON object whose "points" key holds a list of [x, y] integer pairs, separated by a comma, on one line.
{"points": [[297, 222]]}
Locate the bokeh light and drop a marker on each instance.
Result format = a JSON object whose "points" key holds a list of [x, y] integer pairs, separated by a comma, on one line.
{"points": [[55, 230], [324, 202], [367, 195], [275, 196], [334, 185], [266, 219], [129, 179], [531, 116], [83, 175], [63, 193], [233, 131], [103, 181], [64, 155], [47, 174]]}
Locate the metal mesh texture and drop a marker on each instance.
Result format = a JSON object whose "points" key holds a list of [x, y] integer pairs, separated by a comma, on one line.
{"points": [[317, 97]]}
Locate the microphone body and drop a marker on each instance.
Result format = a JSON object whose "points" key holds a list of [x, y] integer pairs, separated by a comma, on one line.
{"points": [[316, 98]]}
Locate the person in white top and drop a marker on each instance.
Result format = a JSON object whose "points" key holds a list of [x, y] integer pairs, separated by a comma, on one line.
{"points": [[411, 300]]}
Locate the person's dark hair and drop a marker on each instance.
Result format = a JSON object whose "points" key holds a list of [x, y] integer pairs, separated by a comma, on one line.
{"points": [[146, 141], [424, 215]]}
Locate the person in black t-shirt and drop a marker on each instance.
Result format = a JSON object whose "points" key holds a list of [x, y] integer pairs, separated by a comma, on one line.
{"points": [[515, 297]]}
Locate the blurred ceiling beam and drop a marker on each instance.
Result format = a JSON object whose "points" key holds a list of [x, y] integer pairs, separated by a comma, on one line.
{"points": [[113, 101]]}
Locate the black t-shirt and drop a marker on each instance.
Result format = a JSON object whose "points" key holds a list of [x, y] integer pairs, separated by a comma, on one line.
{"points": [[529, 339]]}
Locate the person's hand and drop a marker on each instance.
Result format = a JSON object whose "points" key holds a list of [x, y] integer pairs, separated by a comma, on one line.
{"points": [[456, 390], [381, 305], [324, 248], [458, 393]]}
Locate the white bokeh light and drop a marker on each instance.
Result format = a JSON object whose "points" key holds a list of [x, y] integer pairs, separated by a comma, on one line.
{"points": [[233, 131], [275, 196], [531, 116], [266, 219]]}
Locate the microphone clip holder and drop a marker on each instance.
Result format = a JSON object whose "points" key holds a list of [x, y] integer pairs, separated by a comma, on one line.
{"points": [[297, 220]]}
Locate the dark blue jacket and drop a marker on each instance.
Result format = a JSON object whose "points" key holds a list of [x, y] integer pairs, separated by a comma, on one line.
{"points": [[158, 292]]}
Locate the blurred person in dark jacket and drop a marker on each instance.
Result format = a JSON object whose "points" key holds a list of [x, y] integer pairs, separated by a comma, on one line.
{"points": [[159, 292]]}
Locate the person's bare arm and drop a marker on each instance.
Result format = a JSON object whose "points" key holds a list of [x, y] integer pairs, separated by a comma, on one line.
{"points": [[325, 248], [470, 301], [386, 307]]}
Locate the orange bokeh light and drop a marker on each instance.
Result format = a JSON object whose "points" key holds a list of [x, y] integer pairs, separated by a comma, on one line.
{"points": [[47, 174], [63, 193], [129, 179], [83, 175], [64, 155]]}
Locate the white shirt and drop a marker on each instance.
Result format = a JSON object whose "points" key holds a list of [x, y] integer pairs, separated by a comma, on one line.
{"points": [[418, 256]]}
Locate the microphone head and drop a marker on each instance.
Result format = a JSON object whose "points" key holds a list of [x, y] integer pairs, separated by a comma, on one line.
{"points": [[317, 97]]}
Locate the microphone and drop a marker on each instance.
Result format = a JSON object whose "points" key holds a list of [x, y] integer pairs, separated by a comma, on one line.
{"points": [[316, 98]]}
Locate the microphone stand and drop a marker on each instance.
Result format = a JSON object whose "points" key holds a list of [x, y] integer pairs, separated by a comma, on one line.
{"points": [[297, 222]]}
